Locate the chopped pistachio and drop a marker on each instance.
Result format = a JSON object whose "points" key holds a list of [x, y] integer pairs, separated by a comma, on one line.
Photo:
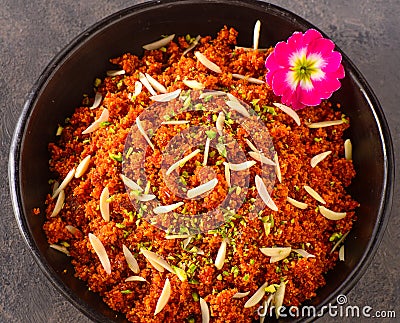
{"points": [[211, 134], [235, 271], [221, 149], [116, 157], [271, 288], [97, 82], [195, 296], [335, 236], [104, 124], [59, 131], [180, 273]]}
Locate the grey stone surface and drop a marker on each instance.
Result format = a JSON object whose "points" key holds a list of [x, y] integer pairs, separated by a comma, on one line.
{"points": [[32, 32]]}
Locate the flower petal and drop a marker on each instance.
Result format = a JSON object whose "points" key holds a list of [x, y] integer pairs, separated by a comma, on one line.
{"points": [[283, 80], [282, 53], [322, 46], [311, 35], [332, 62], [295, 41]]}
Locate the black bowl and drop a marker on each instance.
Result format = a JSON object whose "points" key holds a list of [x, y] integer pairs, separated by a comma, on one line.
{"points": [[59, 89]]}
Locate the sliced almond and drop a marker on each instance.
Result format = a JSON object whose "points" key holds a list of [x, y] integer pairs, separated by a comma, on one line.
{"points": [[101, 252], [240, 295], [242, 166], [96, 124], [131, 260], [261, 158], [167, 208], [249, 49], [257, 296], [166, 97], [277, 168], [156, 266], [176, 122], [64, 183], [97, 100], [236, 106], [138, 88], [296, 203], [256, 34], [143, 79], [331, 215], [155, 84], [56, 185], [143, 132], [59, 204], [177, 236], [144, 197], [203, 188], [181, 162], [206, 151], [193, 84], [159, 43], [341, 253], [231, 97], [252, 147], [164, 297], [220, 259], [314, 194], [135, 279], [130, 183], [247, 78], [72, 229], [348, 150], [211, 93], [152, 257], [82, 167], [205, 312], [115, 72], [60, 248], [323, 124], [105, 204], [320, 157], [289, 111], [207, 63], [262, 191], [276, 253], [304, 253]]}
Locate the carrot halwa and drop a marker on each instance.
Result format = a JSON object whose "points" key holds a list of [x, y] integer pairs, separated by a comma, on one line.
{"points": [[209, 198]]}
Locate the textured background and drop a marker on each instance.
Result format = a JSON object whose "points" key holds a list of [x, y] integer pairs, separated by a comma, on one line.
{"points": [[32, 32]]}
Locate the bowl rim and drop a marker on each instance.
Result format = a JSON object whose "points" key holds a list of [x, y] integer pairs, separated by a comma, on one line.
{"points": [[19, 134]]}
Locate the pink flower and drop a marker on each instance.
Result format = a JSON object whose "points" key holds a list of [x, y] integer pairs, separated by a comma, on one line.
{"points": [[305, 69]]}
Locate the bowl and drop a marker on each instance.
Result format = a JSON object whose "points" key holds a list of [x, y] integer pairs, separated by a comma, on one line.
{"points": [[70, 74]]}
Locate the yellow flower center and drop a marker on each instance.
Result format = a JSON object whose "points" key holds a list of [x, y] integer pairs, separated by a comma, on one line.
{"points": [[305, 69]]}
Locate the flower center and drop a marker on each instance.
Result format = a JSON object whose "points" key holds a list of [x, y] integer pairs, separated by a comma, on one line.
{"points": [[304, 68]]}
